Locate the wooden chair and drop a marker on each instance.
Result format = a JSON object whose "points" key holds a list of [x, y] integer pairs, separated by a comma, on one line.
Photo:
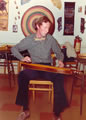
{"points": [[79, 75], [5, 56], [71, 64]]}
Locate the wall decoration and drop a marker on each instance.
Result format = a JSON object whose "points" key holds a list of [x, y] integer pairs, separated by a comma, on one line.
{"points": [[82, 26], [16, 18], [69, 12], [16, 11], [80, 9], [15, 28], [57, 3], [24, 1], [29, 17], [3, 15], [59, 23]]}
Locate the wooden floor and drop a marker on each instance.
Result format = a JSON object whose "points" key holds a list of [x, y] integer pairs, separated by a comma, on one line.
{"points": [[41, 109]]}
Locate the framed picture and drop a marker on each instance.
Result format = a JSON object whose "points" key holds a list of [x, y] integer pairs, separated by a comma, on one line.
{"points": [[59, 21], [4, 15], [80, 9], [15, 28], [69, 12], [82, 25], [85, 9]]}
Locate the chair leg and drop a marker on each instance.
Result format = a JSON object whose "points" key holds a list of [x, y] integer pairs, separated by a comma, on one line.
{"points": [[4, 66], [19, 66], [9, 72], [81, 94], [52, 96], [33, 93], [12, 71], [49, 92], [72, 88]]}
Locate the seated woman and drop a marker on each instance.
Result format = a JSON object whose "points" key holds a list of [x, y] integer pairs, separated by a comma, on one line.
{"points": [[39, 46]]}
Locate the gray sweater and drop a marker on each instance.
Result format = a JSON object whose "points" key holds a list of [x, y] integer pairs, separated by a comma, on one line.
{"points": [[39, 50]]}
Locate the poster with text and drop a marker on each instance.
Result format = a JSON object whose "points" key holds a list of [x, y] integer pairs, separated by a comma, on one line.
{"points": [[4, 15]]}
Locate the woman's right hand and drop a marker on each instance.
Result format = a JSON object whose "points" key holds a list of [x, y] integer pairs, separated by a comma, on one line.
{"points": [[26, 59]]}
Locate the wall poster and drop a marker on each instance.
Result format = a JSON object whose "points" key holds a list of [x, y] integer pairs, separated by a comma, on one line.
{"points": [[82, 25], [69, 11], [24, 1], [4, 15], [59, 21]]}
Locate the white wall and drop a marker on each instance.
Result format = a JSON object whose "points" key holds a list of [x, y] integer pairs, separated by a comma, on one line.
{"points": [[10, 37]]}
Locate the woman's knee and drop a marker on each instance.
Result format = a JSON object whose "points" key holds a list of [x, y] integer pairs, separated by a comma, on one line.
{"points": [[23, 77]]}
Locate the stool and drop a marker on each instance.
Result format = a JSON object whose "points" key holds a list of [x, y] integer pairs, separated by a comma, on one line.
{"points": [[33, 86]]}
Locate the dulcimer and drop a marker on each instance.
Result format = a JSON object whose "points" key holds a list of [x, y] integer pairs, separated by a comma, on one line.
{"points": [[47, 68]]}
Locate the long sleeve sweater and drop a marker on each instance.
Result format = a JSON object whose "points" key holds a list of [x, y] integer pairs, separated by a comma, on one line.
{"points": [[39, 50]]}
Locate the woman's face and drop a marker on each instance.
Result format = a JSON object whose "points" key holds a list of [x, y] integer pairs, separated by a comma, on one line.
{"points": [[43, 29]]}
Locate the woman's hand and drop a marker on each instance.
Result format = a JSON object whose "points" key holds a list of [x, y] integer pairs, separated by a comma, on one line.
{"points": [[60, 64], [26, 59]]}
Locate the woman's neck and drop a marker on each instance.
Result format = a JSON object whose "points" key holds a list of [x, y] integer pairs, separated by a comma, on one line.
{"points": [[38, 35]]}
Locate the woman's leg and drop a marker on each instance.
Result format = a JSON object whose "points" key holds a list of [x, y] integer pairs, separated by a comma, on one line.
{"points": [[23, 80], [60, 99]]}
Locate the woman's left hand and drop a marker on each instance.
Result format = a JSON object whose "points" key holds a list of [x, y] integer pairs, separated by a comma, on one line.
{"points": [[60, 64]]}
